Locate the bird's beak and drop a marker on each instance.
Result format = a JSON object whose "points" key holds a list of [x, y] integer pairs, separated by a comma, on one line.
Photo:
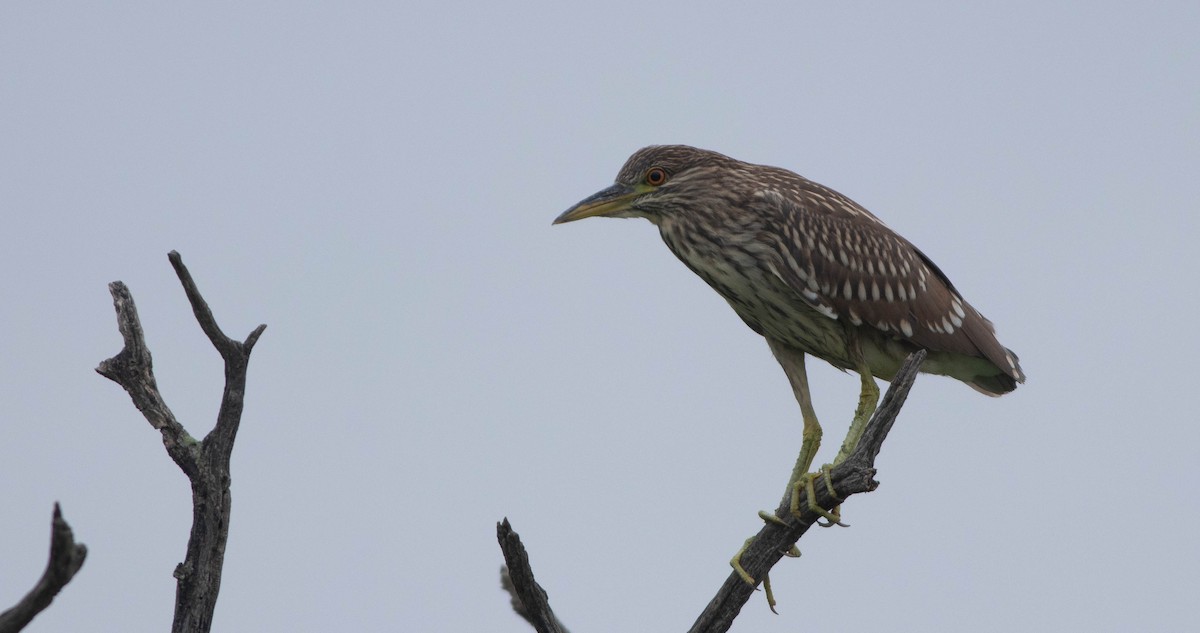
{"points": [[608, 202]]}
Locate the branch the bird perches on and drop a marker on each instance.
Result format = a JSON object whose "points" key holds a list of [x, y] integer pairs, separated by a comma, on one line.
{"points": [[853, 476]]}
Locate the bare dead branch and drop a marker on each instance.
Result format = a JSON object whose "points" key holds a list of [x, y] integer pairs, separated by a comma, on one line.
{"points": [[66, 557], [529, 600], [206, 463], [853, 476], [133, 369]]}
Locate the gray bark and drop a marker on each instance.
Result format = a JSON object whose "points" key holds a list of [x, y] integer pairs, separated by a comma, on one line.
{"points": [[66, 557], [205, 462]]}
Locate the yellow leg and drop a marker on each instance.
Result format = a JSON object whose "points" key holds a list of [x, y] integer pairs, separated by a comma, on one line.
{"points": [[801, 479], [792, 362], [868, 400]]}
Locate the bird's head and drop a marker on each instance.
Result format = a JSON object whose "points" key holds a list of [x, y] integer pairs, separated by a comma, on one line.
{"points": [[653, 181]]}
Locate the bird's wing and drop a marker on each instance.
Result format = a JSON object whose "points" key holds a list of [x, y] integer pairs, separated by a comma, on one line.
{"points": [[838, 255]]}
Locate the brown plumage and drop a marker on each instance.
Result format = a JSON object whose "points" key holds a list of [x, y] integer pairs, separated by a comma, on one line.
{"points": [[805, 266], [812, 272]]}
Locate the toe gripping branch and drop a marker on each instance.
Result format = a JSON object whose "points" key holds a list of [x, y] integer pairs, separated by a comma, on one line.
{"points": [[777, 539]]}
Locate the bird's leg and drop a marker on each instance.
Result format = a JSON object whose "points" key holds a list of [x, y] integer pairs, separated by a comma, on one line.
{"points": [[868, 399], [792, 361]]}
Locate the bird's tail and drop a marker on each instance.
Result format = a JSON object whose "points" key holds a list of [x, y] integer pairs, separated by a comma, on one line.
{"points": [[1000, 383]]}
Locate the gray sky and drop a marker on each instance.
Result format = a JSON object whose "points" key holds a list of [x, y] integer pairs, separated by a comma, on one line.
{"points": [[376, 183]]}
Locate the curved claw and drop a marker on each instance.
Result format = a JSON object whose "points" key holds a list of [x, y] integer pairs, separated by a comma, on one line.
{"points": [[830, 523], [770, 594]]}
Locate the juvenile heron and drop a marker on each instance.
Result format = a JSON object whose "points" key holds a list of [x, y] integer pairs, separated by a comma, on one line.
{"points": [[812, 272]]}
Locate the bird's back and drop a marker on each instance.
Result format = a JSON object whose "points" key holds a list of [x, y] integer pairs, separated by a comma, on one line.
{"points": [[799, 262]]}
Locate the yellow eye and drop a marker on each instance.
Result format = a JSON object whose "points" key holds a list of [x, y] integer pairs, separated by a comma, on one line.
{"points": [[656, 176]]}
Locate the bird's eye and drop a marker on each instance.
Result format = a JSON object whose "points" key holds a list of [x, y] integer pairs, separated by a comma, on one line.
{"points": [[656, 176]]}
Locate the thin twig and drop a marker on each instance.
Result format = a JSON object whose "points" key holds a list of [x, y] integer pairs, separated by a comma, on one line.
{"points": [[66, 557]]}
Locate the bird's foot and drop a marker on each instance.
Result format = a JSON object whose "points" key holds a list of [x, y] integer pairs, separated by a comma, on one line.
{"points": [[837, 510], [736, 561], [772, 518], [805, 483], [775, 519]]}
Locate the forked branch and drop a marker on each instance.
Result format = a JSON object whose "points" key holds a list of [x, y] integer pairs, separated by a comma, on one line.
{"points": [[205, 462]]}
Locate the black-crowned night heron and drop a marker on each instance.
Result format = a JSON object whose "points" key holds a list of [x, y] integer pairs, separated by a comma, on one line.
{"points": [[813, 273]]}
